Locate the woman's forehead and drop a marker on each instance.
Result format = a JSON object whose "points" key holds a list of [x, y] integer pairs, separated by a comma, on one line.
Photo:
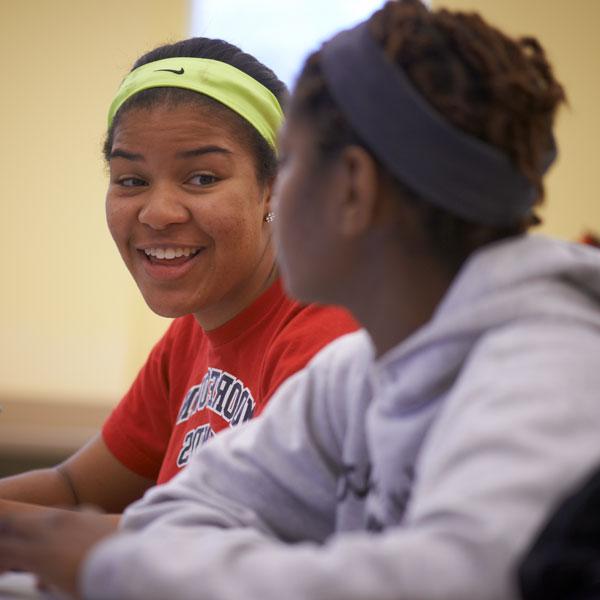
{"points": [[166, 124]]}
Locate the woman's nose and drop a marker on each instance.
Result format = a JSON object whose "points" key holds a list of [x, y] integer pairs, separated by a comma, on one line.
{"points": [[163, 207]]}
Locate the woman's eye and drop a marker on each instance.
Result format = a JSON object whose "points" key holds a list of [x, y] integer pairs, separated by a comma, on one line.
{"points": [[131, 182], [203, 179]]}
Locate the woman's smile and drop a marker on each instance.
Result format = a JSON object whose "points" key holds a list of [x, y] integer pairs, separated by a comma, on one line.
{"points": [[169, 262]]}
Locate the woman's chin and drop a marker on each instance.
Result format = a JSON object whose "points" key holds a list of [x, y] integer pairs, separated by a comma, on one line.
{"points": [[169, 310]]}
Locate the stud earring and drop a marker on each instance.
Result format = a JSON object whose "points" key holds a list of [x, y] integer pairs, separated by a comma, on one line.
{"points": [[269, 217]]}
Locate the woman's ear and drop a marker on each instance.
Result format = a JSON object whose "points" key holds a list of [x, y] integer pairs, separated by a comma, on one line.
{"points": [[360, 187], [267, 195]]}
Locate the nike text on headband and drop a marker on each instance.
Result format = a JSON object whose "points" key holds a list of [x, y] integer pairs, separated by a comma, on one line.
{"points": [[222, 82], [446, 166]]}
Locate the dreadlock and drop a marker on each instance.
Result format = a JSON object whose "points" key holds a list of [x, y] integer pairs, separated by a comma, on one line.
{"points": [[495, 88]]}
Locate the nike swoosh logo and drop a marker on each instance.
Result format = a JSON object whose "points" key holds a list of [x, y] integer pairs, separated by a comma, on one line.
{"points": [[176, 71]]}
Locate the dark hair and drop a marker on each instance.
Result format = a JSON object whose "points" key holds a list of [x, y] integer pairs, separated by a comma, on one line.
{"points": [[497, 89], [266, 160]]}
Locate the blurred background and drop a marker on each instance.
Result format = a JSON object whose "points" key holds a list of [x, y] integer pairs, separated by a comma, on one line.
{"points": [[73, 328]]}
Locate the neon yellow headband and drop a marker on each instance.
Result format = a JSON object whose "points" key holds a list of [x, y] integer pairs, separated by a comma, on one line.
{"points": [[222, 82]]}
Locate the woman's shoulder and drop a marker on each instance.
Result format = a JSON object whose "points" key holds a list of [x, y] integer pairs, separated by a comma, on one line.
{"points": [[295, 315], [351, 352], [304, 329]]}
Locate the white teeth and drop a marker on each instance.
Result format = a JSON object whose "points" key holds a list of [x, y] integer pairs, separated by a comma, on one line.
{"points": [[170, 253]]}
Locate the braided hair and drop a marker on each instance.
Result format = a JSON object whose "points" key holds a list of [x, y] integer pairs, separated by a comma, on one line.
{"points": [[495, 88]]}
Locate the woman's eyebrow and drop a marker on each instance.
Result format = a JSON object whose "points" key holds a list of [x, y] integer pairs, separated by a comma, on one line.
{"points": [[202, 150], [118, 153]]}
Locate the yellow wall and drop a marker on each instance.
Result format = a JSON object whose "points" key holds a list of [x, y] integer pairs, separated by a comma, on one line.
{"points": [[72, 324], [568, 30]]}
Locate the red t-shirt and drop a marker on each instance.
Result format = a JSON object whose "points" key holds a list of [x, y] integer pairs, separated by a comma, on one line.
{"points": [[198, 382]]}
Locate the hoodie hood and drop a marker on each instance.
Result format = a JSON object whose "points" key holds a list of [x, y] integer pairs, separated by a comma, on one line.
{"points": [[531, 278], [512, 270]]}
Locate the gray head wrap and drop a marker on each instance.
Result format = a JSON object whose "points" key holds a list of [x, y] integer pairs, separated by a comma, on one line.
{"points": [[443, 164]]}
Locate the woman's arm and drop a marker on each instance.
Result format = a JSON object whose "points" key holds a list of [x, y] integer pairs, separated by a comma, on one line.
{"points": [[91, 476], [240, 480]]}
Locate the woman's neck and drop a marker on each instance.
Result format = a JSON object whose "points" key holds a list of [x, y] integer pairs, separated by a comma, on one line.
{"points": [[239, 298], [397, 296]]}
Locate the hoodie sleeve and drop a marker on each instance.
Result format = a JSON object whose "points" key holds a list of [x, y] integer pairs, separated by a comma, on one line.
{"points": [[242, 523], [270, 482]]}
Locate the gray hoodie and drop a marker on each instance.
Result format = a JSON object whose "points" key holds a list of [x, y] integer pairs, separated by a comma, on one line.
{"points": [[421, 475]]}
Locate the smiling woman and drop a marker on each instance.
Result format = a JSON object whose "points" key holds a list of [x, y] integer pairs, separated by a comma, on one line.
{"points": [[191, 152], [189, 220]]}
